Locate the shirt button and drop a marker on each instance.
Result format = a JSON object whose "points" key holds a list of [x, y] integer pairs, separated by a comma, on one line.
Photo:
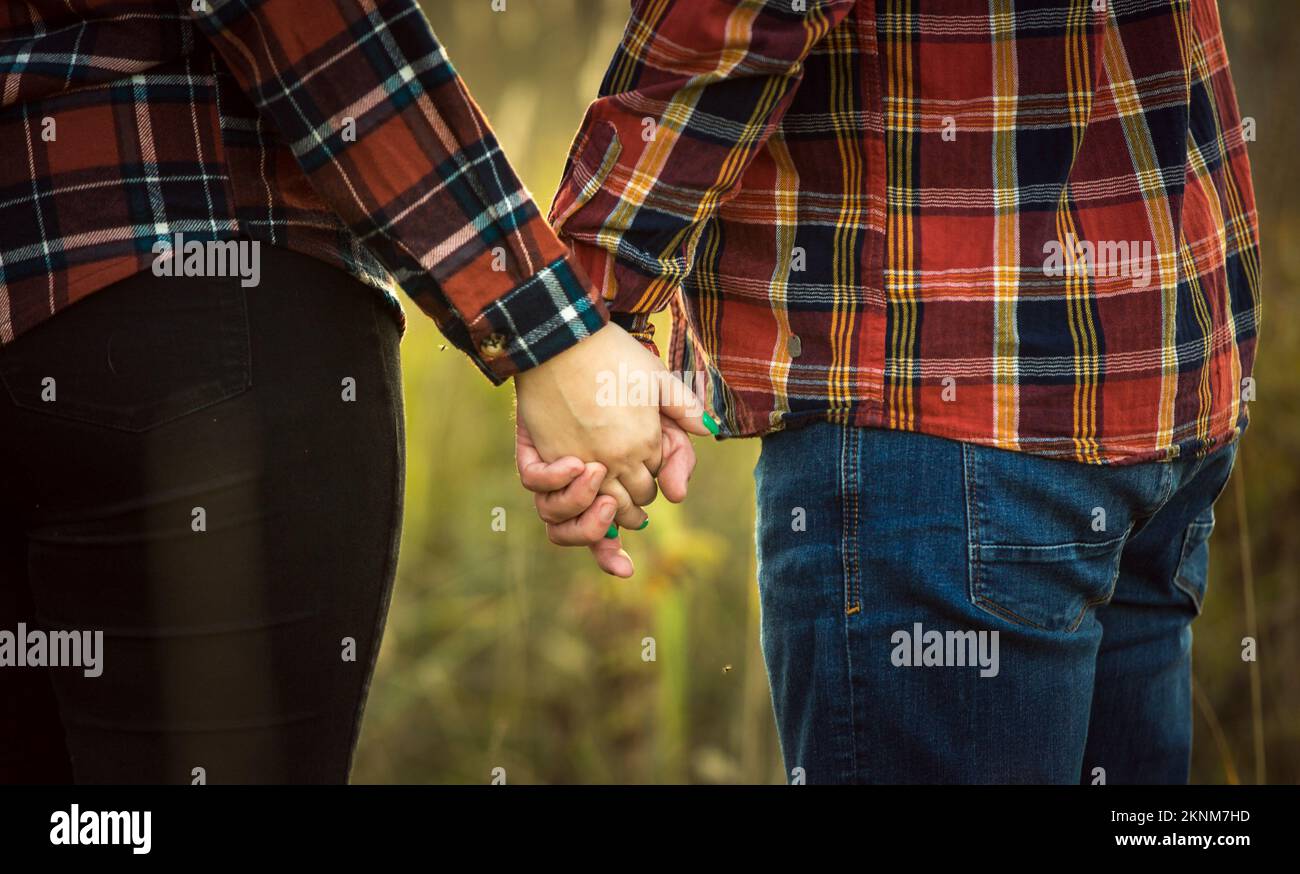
{"points": [[492, 346], [794, 346]]}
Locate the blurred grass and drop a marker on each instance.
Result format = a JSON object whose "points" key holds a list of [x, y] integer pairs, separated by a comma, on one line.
{"points": [[504, 651]]}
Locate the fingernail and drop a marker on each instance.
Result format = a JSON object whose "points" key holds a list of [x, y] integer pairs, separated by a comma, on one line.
{"points": [[710, 423], [612, 532], [643, 525]]}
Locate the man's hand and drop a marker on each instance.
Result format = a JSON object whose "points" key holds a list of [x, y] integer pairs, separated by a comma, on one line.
{"points": [[568, 493]]}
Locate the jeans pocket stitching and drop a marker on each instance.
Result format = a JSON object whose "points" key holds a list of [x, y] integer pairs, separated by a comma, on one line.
{"points": [[850, 496], [969, 473]]}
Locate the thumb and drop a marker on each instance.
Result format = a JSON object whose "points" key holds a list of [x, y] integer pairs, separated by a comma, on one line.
{"points": [[681, 405]]}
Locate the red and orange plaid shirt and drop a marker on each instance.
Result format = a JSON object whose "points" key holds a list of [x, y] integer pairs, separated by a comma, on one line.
{"points": [[1024, 225], [338, 129]]}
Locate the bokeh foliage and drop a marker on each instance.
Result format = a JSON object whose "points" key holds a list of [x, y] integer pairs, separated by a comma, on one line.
{"points": [[504, 651]]}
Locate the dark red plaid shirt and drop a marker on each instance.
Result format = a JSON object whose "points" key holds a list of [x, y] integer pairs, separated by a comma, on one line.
{"points": [[1022, 224], [338, 129]]}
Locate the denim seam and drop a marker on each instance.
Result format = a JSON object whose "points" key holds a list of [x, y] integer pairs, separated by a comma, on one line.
{"points": [[850, 452], [969, 464], [850, 487], [1082, 545]]}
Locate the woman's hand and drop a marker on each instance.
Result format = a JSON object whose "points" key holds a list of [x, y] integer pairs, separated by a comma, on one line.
{"points": [[567, 494], [600, 401]]}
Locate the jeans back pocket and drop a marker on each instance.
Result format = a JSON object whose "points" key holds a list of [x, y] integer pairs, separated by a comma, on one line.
{"points": [[1045, 536], [1048, 587], [135, 355]]}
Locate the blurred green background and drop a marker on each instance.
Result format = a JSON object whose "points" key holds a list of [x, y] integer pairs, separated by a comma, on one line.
{"points": [[504, 651]]}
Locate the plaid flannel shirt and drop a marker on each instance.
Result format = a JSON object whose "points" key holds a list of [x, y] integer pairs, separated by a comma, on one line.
{"points": [[337, 129], [932, 216]]}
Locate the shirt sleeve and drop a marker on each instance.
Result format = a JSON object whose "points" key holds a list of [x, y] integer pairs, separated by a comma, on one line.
{"points": [[389, 137], [694, 90]]}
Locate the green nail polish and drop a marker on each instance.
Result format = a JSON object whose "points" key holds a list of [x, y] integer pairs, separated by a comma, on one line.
{"points": [[710, 423], [612, 532], [642, 526]]}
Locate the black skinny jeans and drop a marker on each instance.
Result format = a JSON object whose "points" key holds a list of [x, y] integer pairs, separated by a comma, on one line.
{"points": [[202, 491]]}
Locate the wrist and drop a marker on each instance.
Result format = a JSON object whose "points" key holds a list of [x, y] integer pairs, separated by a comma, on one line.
{"points": [[573, 358]]}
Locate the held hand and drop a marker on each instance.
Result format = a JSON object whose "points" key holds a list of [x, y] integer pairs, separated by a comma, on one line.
{"points": [[574, 405], [568, 500]]}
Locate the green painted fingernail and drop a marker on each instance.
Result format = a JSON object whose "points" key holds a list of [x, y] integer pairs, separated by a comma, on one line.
{"points": [[642, 526], [710, 423], [612, 532]]}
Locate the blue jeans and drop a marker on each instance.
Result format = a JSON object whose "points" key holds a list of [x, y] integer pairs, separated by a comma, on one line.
{"points": [[940, 612]]}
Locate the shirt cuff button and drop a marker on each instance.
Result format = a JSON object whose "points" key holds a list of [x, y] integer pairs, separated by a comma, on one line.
{"points": [[492, 346]]}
